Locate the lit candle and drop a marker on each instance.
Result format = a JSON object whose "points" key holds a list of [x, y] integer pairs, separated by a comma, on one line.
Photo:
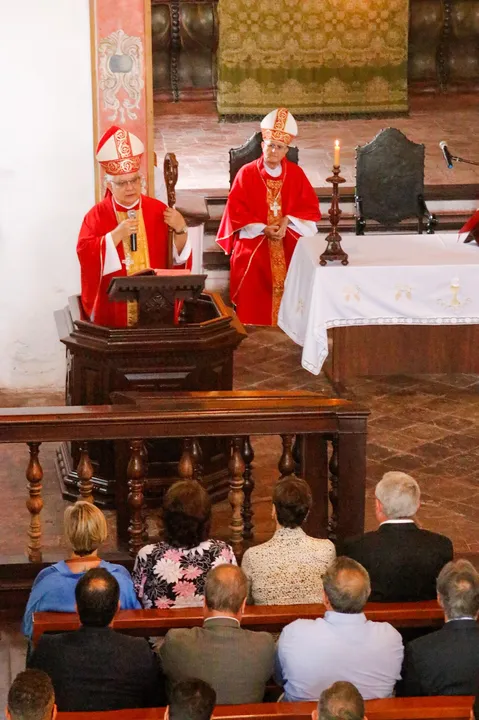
{"points": [[336, 153]]}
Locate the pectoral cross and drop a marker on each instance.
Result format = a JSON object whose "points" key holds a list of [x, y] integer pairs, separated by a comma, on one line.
{"points": [[275, 207]]}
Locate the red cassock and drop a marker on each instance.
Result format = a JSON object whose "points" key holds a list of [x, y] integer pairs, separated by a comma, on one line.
{"points": [[471, 226], [91, 253], [259, 265]]}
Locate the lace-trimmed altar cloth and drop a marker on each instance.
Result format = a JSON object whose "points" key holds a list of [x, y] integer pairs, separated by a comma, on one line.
{"points": [[390, 280]]}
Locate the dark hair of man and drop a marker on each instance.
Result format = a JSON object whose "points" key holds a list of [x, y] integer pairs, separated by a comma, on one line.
{"points": [[347, 585], [458, 589], [186, 514], [191, 700], [226, 587], [97, 594], [341, 701], [31, 696], [293, 500]]}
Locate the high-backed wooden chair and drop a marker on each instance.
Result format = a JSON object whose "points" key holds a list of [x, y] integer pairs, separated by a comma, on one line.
{"points": [[390, 182], [251, 150]]}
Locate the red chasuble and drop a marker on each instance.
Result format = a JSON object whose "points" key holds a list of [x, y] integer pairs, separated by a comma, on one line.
{"points": [[91, 253], [259, 265], [472, 226]]}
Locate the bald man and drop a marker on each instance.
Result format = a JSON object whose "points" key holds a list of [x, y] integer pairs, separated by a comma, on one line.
{"points": [[236, 663], [312, 654]]}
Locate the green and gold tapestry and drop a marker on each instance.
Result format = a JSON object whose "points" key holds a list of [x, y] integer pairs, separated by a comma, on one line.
{"points": [[312, 56]]}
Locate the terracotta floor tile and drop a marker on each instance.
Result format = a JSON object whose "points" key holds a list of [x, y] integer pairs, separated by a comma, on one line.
{"points": [[193, 133]]}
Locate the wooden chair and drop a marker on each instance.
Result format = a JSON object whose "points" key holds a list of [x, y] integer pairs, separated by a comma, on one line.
{"points": [[251, 150], [423, 708], [390, 182], [271, 618]]}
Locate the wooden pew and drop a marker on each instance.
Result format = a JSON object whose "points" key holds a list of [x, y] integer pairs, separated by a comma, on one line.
{"points": [[257, 617], [422, 708]]}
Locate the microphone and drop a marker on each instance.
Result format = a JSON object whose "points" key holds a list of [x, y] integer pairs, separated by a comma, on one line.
{"points": [[132, 216], [446, 153]]}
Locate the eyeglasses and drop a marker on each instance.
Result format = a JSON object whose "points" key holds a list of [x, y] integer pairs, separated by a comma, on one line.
{"points": [[125, 183], [273, 146]]}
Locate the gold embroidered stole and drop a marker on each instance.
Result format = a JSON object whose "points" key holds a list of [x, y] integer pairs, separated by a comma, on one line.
{"points": [[135, 261], [276, 248]]}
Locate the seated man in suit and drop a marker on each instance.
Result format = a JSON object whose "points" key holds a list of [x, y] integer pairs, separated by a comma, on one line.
{"points": [[236, 663], [31, 697], [190, 700], [312, 654], [446, 662], [341, 701], [402, 560], [96, 668]]}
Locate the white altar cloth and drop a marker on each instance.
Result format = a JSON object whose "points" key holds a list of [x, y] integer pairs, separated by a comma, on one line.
{"points": [[390, 280]]}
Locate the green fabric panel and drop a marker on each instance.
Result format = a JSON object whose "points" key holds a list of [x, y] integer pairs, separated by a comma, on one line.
{"points": [[312, 56]]}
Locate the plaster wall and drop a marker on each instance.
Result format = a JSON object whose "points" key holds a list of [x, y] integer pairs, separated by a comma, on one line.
{"points": [[46, 180]]}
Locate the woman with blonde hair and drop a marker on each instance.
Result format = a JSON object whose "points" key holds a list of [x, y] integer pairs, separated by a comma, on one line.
{"points": [[54, 587]]}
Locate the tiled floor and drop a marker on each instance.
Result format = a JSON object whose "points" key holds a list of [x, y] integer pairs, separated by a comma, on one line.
{"points": [[201, 143]]}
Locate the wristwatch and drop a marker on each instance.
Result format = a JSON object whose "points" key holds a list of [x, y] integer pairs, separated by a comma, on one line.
{"points": [[183, 230]]}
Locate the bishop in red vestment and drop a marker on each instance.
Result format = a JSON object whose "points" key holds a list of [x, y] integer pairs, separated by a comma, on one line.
{"points": [[270, 205], [105, 247]]}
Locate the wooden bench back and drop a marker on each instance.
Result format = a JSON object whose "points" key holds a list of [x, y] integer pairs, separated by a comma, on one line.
{"points": [[427, 708], [257, 617]]}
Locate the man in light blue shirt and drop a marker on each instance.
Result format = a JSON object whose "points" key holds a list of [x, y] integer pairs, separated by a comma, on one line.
{"points": [[313, 654]]}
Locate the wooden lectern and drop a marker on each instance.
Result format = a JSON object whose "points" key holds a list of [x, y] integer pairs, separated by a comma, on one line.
{"points": [[196, 353], [160, 295]]}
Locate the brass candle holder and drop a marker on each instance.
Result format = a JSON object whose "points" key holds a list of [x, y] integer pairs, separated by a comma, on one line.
{"points": [[334, 251]]}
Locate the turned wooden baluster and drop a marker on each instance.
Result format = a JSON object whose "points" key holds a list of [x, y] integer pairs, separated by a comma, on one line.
{"points": [[34, 503], [248, 487], [85, 474], [197, 456], [286, 463], [186, 465], [297, 453], [333, 492], [236, 467], [136, 481]]}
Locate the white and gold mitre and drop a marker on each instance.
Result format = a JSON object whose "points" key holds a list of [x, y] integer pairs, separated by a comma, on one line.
{"points": [[279, 125], [119, 151]]}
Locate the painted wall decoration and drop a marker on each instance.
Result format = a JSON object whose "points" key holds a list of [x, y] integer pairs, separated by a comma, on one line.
{"points": [[122, 75], [121, 78]]}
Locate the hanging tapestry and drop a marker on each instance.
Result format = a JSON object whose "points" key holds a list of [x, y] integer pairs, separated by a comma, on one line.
{"points": [[312, 56]]}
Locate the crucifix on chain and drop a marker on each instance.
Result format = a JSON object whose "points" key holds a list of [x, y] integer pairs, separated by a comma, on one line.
{"points": [[275, 207]]}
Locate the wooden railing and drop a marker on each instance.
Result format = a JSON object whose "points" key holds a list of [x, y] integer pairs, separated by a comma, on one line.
{"points": [[330, 451], [271, 618], [417, 708]]}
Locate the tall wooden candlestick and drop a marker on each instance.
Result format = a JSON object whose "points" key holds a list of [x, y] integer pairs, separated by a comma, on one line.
{"points": [[334, 251]]}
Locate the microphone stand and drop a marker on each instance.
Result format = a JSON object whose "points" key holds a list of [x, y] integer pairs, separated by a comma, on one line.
{"points": [[457, 159]]}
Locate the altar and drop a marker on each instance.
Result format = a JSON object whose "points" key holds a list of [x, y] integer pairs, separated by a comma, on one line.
{"points": [[404, 304]]}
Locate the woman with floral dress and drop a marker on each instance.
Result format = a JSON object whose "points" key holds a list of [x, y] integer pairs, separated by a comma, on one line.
{"points": [[172, 573]]}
